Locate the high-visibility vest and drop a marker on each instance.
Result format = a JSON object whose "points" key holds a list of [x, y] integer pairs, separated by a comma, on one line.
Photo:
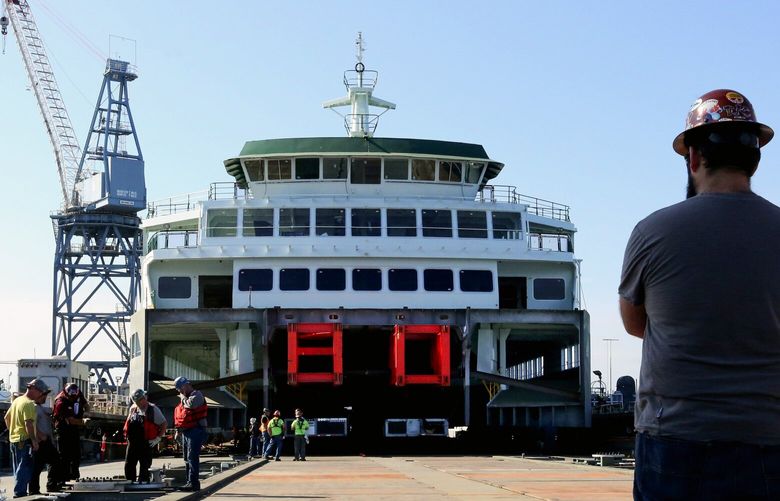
{"points": [[299, 426], [151, 430], [276, 427], [186, 418]]}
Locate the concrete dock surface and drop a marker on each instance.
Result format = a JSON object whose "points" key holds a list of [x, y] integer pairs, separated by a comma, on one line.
{"points": [[442, 477]]}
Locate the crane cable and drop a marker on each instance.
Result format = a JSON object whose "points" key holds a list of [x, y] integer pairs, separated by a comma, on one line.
{"points": [[74, 32]]}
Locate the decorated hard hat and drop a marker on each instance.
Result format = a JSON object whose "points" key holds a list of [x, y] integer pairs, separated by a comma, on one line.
{"points": [[722, 108], [138, 395], [277, 413]]}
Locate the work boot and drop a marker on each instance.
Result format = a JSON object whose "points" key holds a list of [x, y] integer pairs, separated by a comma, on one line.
{"points": [[278, 459]]}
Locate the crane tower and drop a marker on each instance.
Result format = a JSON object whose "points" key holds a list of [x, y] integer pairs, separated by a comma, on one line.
{"points": [[97, 230]]}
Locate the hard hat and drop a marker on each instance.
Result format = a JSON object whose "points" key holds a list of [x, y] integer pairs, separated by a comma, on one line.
{"points": [[722, 108], [253, 420], [138, 395], [72, 389], [180, 381], [40, 385], [277, 413]]}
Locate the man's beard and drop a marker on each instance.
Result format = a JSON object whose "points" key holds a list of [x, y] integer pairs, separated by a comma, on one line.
{"points": [[691, 189]]}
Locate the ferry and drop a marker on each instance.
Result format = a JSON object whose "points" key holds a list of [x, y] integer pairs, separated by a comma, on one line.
{"points": [[387, 286]]}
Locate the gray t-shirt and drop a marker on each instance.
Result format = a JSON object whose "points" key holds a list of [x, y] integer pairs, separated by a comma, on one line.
{"points": [[707, 271], [43, 421]]}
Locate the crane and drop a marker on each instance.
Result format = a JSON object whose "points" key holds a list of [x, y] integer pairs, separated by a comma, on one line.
{"points": [[97, 229]]}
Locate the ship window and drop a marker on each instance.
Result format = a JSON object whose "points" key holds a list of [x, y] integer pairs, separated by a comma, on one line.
{"points": [[261, 279], [473, 172], [294, 279], [436, 223], [331, 279], [549, 288], [307, 168], [397, 168], [254, 170], [366, 170], [451, 171], [437, 280], [334, 168], [174, 287], [423, 169], [258, 222], [402, 280], [221, 222], [330, 222], [476, 280], [506, 225], [294, 222], [472, 224], [366, 223], [366, 279], [279, 169], [401, 222]]}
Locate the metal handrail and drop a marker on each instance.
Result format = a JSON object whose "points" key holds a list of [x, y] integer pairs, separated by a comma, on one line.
{"points": [[492, 193], [168, 239]]}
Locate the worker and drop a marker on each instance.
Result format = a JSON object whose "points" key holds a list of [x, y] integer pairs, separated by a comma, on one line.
{"points": [[265, 418], [68, 416], [276, 428], [190, 421], [20, 420], [144, 428], [47, 453], [701, 287], [254, 438], [299, 427]]}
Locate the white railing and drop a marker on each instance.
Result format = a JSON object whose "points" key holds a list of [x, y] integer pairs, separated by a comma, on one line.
{"points": [[491, 193]]}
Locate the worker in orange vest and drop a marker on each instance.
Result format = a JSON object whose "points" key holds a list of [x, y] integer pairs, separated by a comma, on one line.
{"points": [[144, 427], [190, 420]]}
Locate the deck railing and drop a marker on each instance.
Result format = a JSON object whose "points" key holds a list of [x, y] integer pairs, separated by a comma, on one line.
{"points": [[168, 239], [492, 193]]}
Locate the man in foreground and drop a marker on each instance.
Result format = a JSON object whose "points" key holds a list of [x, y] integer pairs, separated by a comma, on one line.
{"points": [[144, 427], [190, 421], [701, 286], [20, 421], [68, 416]]}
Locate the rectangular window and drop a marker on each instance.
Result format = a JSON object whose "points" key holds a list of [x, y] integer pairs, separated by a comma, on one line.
{"points": [[401, 222], [506, 225], [472, 224], [436, 223], [334, 168], [261, 279], [135, 345], [254, 170], [294, 222], [451, 172], [549, 288], [258, 223], [366, 279], [366, 223], [437, 280], [366, 171], [279, 169], [474, 172], [294, 279], [476, 280], [423, 169], [174, 287], [331, 279], [330, 222], [402, 280], [221, 222], [397, 168], [307, 168]]}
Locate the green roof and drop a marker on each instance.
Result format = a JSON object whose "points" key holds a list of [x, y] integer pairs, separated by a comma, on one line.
{"points": [[358, 145]]}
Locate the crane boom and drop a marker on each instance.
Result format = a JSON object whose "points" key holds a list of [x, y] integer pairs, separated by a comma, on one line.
{"points": [[58, 126]]}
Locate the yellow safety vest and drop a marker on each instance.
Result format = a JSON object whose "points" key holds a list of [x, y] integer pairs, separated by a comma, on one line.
{"points": [[276, 427]]}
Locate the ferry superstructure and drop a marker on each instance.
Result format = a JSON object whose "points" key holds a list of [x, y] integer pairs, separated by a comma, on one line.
{"points": [[382, 283]]}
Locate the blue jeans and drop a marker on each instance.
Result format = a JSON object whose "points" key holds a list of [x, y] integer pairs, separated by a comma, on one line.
{"points": [[192, 441], [670, 469], [254, 445], [23, 464], [266, 443], [276, 446]]}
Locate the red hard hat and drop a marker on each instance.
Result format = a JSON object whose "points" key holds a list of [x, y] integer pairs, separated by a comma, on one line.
{"points": [[277, 413], [719, 107]]}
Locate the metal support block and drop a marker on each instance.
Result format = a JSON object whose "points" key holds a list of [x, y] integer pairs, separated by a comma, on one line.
{"points": [[327, 340], [439, 336]]}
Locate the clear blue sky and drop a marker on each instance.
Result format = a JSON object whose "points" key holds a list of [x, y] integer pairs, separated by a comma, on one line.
{"points": [[580, 100]]}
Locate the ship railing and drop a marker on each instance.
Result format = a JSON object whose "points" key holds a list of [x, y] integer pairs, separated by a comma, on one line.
{"points": [[112, 404], [364, 79], [170, 239], [492, 193], [365, 122], [189, 201], [550, 242]]}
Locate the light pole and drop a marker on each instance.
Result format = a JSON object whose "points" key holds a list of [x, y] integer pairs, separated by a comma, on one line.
{"points": [[609, 341]]}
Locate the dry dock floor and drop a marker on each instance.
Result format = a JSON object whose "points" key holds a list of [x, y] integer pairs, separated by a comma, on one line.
{"points": [[443, 477]]}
